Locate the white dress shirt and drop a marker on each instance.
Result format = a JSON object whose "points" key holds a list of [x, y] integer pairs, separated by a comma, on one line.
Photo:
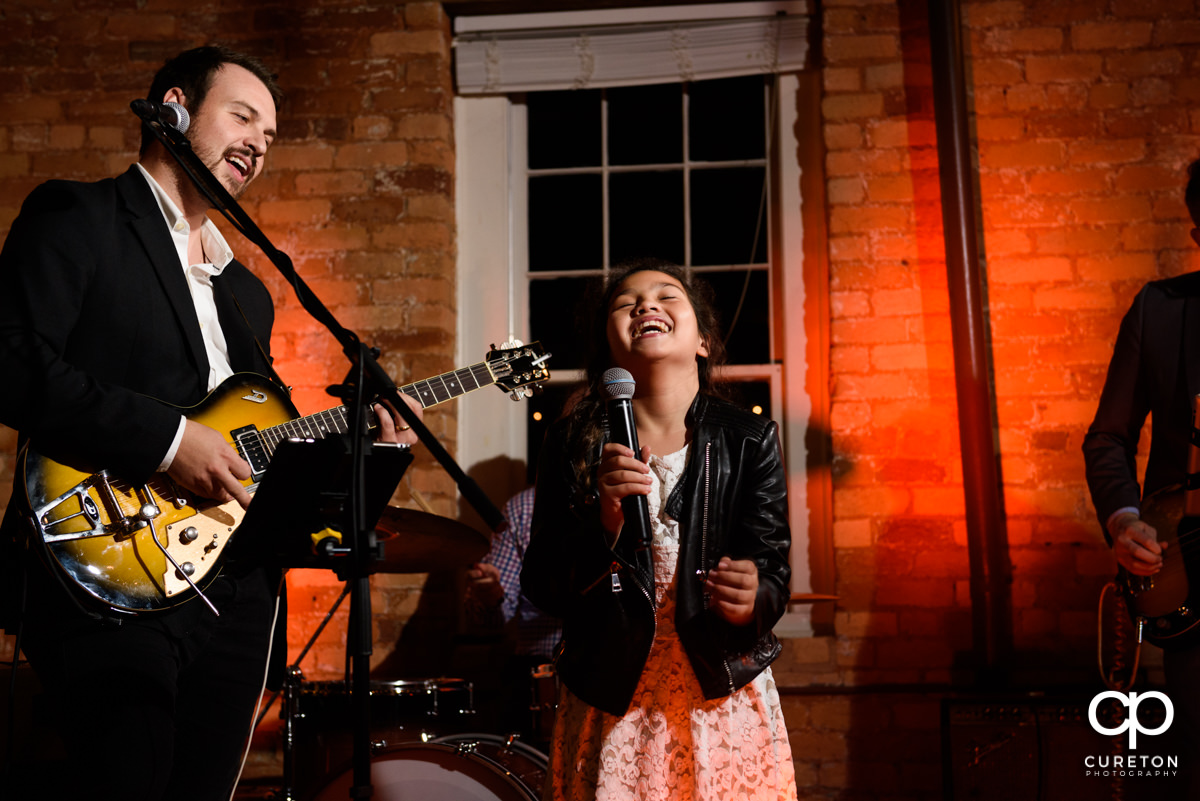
{"points": [[199, 278]]}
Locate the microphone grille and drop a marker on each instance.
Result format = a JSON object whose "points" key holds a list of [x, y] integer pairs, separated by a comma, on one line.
{"points": [[618, 384], [183, 120]]}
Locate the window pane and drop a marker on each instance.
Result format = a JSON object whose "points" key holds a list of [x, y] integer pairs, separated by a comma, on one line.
{"points": [[554, 319], [566, 228], [752, 395], [646, 215], [543, 409], [725, 119], [725, 216], [645, 124], [742, 304], [564, 129]]}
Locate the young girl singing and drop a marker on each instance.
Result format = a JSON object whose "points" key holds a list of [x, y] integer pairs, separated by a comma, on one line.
{"points": [[667, 689]]}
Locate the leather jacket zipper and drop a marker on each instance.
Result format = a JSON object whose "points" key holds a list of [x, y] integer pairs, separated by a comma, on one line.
{"points": [[614, 577], [702, 573], [704, 517], [704, 536]]}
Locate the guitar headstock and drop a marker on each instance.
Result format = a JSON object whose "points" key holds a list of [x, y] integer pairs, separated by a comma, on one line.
{"points": [[518, 368]]}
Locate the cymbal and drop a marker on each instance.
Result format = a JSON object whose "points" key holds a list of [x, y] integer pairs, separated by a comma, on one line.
{"points": [[420, 542]]}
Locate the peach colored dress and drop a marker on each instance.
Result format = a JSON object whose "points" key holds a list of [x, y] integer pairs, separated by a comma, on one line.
{"points": [[672, 744]]}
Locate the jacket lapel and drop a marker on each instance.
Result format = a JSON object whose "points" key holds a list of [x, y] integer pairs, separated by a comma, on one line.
{"points": [[147, 223], [242, 349]]}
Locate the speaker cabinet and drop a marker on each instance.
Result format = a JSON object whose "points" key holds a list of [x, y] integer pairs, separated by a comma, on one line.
{"points": [[1040, 749]]}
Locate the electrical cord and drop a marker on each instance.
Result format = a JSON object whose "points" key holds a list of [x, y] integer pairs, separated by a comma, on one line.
{"points": [[1111, 678]]}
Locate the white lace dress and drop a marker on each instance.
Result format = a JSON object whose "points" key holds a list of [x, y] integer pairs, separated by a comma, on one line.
{"points": [[672, 744]]}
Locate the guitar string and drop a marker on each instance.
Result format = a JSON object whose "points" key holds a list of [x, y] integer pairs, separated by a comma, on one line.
{"points": [[125, 492]]}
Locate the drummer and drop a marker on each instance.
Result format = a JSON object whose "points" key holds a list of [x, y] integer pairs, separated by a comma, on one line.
{"points": [[494, 599]]}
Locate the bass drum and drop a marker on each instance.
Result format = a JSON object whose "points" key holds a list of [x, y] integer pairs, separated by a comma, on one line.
{"points": [[410, 710], [460, 767]]}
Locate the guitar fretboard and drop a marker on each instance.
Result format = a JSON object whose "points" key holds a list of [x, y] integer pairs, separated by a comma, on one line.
{"points": [[258, 447]]}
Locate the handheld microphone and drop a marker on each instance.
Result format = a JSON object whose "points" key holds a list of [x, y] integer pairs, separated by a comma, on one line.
{"points": [[171, 114], [618, 387]]}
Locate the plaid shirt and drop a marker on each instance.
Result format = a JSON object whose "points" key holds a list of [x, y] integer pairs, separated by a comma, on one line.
{"points": [[537, 633]]}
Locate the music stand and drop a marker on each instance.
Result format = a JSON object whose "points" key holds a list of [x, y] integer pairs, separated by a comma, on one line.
{"points": [[305, 490]]}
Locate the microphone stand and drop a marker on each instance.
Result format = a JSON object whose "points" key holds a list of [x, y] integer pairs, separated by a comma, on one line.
{"points": [[365, 379]]}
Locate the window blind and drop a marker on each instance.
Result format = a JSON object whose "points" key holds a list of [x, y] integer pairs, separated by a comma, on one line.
{"points": [[555, 51]]}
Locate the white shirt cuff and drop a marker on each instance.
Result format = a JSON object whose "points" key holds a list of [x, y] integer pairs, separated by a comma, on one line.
{"points": [[1123, 510], [174, 449]]}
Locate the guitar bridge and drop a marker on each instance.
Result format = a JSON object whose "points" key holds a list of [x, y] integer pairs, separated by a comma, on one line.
{"points": [[76, 515]]}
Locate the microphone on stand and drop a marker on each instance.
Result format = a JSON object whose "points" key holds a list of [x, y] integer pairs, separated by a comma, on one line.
{"points": [[618, 387], [169, 113]]}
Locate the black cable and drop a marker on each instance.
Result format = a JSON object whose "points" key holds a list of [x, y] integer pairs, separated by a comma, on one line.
{"points": [[11, 721]]}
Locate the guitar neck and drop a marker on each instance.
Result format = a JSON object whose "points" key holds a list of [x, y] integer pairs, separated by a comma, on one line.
{"points": [[428, 392]]}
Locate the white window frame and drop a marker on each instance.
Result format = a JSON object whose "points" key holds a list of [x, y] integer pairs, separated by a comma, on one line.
{"points": [[491, 199]]}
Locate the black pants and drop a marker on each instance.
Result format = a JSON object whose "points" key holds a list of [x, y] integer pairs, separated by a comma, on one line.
{"points": [[1182, 669], [156, 707]]}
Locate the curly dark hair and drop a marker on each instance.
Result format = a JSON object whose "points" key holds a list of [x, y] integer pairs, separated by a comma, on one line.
{"points": [[193, 72], [586, 419]]}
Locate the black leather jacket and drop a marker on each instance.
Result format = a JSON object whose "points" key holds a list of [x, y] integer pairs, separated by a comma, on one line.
{"points": [[732, 500]]}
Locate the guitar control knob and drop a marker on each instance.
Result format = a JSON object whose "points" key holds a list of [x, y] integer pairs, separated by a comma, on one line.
{"points": [[187, 568], [189, 534]]}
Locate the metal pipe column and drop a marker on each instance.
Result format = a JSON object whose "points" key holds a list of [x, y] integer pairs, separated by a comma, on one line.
{"points": [[986, 536]]}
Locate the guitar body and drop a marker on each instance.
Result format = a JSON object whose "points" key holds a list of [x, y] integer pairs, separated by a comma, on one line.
{"points": [[92, 524], [1164, 601], [135, 548]]}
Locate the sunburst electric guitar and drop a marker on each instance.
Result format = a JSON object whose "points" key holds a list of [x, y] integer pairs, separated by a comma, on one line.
{"points": [[139, 548]]}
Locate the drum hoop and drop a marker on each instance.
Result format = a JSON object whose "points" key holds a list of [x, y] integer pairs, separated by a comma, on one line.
{"points": [[519, 746], [388, 687], [497, 770]]}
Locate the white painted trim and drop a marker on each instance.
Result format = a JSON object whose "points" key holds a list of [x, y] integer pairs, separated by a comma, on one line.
{"points": [[491, 429], [795, 337]]}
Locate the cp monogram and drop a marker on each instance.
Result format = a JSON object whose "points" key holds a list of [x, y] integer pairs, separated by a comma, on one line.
{"points": [[1131, 723]]}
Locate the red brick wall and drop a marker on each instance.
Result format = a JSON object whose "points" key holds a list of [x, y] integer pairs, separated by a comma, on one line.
{"points": [[1084, 123], [1083, 112], [1084, 133], [358, 190]]}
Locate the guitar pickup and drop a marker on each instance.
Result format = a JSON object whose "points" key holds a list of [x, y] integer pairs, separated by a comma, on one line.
{"points": [[251, 448]]}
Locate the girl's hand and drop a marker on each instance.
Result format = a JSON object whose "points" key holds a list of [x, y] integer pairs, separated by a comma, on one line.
{"points": [[733, 586], [620, 474]]}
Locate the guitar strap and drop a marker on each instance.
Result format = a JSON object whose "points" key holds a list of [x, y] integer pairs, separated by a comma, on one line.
{"points": [[271, 373]]}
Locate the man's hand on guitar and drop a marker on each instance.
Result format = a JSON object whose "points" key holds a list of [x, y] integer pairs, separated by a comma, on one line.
{"points": [[392, 427], [1136, 545], [207, 466]]}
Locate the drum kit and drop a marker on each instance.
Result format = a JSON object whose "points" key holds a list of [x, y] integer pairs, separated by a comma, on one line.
{"points": [[422, 741]]}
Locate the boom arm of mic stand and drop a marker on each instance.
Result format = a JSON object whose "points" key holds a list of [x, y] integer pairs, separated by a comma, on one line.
{"points": [[181, 150]]}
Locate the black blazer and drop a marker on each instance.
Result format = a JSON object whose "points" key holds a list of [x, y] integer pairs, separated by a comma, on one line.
{"points": [[97, 321], [1155, 371]]}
